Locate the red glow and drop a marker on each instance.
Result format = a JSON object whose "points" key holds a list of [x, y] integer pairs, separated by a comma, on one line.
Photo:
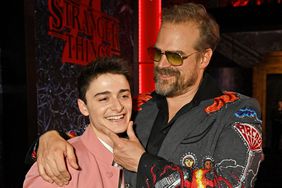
{"points": [[243, 3], [149, 14], [146, 77], [258, 2], [238, 3], [87, 32]]}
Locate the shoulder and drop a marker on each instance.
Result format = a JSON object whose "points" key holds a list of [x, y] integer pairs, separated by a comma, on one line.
{"points": [[140, 100], [237, 110], [232, 100], [34, 180], [80, 149]]}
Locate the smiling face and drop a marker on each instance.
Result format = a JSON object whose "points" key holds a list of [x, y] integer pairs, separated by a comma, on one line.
{"points": [[108, 103], [176, 80], [173, 80]]}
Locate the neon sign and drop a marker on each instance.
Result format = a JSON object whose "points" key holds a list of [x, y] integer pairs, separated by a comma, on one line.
{"points": [[87, 33]]}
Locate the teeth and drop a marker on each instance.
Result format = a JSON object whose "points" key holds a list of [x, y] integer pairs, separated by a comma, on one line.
{"points": [[115, 117]]}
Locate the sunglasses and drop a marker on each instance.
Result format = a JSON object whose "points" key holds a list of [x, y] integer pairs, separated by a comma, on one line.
{"points": [[174, 58]]}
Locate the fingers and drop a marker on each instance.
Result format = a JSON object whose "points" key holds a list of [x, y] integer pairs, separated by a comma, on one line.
{"points": [[55, 176], [54, 169], [51, 158], [43, 174], [117, 141], [130, 131], [47, 174], [71, 157], [59, 170], [113, 136]]}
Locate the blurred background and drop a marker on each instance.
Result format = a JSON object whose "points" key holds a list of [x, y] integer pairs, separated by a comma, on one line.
{"points": [[44, 44]]}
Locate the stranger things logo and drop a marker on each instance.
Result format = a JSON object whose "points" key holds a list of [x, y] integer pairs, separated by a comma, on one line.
{"points": [[88, 33]]}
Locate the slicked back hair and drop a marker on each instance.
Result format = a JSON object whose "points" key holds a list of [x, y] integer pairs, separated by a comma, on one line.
{"points": [[194, 13]]}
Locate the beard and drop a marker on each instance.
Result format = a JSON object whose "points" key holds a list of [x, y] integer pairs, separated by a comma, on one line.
{"points": [[173, 86]]}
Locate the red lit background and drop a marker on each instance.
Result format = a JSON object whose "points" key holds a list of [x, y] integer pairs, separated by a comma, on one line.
{"points": [[149, 12]]}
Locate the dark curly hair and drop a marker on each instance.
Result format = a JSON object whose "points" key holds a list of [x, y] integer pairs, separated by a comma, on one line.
{"points": [[112, 65]]}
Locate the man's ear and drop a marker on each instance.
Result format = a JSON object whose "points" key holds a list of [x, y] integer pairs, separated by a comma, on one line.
{"points": [[207, 54], [82, 107]]}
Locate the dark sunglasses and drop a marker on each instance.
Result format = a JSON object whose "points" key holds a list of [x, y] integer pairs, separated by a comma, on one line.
{"points": [[174, 58]]}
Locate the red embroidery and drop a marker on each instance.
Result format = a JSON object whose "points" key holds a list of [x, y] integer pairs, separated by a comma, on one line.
{"points": [[175, 168], [154, 177], [71, 134], [253, 138], [199, 179], [165, 169], [251, 135], [139, 100], [220, 101], [228, 184], [33, 155]]}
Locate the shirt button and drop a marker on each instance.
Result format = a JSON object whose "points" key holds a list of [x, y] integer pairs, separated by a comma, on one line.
{"points": [[127, 185]]}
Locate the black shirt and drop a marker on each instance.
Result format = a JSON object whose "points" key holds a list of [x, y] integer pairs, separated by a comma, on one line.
{"points": [[208, 89]]}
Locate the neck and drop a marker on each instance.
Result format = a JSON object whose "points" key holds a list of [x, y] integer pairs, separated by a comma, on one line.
{"points": [[102, 136]]}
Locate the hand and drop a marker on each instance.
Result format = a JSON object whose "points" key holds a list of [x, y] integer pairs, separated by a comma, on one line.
{"points": [[127, 152], [51, 155]]}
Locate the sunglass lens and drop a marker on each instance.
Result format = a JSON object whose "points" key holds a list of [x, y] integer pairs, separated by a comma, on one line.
{"points": [[174, 58]]}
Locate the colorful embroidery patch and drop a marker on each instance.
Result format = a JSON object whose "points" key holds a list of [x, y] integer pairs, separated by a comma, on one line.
{"points": [[220, 101], [188, 160], [71, 134], [175, 179], [33, 155], [253, 139], [250, 135], [208, 163], [247, 112], [140, 99]]}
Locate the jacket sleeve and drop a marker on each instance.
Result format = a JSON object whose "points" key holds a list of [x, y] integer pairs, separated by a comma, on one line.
{"points": [[34, 180], [239, 149], [31, 154], [235, 162], [157, 172]]}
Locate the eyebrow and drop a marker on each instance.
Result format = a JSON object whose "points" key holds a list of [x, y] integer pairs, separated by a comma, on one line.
{"points": [[124, 90], [178, 51], [108, 92]]}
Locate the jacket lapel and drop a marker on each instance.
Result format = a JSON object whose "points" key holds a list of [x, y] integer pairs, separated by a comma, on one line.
{"points": [[190, 126], [145, 121]]}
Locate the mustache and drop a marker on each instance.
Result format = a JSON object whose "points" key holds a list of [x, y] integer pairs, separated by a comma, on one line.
{"points": [[166, 71]]}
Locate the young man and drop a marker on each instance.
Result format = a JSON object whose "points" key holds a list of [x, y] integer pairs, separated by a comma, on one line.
{"points": [[187, 117], [105, 97]]}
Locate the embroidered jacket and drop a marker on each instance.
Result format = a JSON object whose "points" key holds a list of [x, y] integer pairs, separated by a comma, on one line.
{"points": [[216, 144]]}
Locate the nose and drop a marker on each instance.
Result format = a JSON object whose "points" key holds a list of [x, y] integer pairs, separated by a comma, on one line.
{"points": [[163, 62], [117, 105]]}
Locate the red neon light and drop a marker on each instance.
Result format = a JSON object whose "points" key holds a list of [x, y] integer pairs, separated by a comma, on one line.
{"points": [[149, 14], [86, 31], [243, 3]]}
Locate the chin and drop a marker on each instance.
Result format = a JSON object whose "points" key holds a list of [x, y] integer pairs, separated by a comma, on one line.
{"points": [[119, 131], [118, 128]]}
